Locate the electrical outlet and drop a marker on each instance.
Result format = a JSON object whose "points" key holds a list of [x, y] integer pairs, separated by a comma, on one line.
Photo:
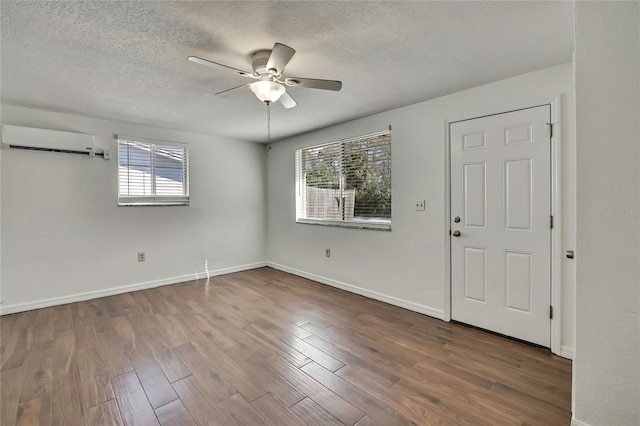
{"points": [[141, 256], [327, 252], [419, 205]]}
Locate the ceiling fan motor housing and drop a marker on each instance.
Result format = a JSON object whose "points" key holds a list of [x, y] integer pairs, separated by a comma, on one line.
{"points": [[259, 61]]}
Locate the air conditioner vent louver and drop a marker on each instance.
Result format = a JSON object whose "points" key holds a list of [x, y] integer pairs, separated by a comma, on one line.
{"points": [[63, 151], [33, 139]]}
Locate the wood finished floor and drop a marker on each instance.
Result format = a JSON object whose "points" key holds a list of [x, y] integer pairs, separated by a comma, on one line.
{"points": [[266, 347]]}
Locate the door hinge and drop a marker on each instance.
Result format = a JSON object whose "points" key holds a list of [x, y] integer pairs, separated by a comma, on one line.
{"points": [[551, 221], [550, 312], [550, 129]]}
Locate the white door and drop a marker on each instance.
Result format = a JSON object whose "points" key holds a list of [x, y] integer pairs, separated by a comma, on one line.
{"points": [[500, 223]]}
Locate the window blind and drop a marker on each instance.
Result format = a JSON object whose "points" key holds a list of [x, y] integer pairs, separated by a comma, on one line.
{"points": [[152, 172], [346, 182]]}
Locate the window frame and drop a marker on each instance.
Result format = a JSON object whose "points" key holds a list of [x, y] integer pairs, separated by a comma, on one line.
{"points": [[154, 200], [299, 188]]}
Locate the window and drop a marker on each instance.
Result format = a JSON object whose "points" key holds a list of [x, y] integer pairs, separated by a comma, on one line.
{"points": [[152, 173], [346, 183]]}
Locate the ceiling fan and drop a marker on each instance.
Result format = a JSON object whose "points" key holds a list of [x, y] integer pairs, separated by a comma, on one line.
{"points": [[270, 85]]}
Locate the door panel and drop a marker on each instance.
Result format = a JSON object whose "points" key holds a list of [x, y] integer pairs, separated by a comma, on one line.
{"points": [[474, 141], [475, 277], [518, 195], [475, 191], [501, 190], [518, 280], [520, 134]]}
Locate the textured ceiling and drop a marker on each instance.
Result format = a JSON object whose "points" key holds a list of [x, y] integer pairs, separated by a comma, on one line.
{"points": [[127, 61]]}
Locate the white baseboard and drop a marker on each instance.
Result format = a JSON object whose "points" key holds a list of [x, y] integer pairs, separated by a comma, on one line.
{"points": [[566, 352], [45, 303], [412, 306], [576, 422]]}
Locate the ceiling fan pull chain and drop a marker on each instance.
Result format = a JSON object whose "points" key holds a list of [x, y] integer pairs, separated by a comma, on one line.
{"points": [[268, 122]]}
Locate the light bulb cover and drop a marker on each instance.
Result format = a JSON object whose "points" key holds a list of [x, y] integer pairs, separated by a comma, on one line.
{"points": [[267, 91]]}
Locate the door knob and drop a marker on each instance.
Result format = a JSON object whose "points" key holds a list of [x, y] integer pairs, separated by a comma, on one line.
{"points": [[456, 233]]}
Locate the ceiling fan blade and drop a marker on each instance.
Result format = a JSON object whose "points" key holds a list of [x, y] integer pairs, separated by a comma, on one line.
{"points": [[279, 58], [287, 101], [217, 65], [226, 92], [313, 83]]}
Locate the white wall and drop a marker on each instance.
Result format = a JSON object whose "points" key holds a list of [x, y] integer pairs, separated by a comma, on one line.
{"points": [[607, 365], [407, 265], [63, 233]]}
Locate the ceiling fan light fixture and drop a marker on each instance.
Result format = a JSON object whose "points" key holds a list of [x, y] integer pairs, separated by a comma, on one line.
{"points": [[267, 91]]}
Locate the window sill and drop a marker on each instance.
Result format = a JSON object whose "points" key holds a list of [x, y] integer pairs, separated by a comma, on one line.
{"points": [[152, 203], [373, 226]]}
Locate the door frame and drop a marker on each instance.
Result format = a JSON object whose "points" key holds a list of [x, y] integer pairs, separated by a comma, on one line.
{"points": [[556, 206]]}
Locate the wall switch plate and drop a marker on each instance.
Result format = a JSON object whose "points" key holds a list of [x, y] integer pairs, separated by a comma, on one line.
{"points": [[327, 252], [141, 256], [419, 205]]}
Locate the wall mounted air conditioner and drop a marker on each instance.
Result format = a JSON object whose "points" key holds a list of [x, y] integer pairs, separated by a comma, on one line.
{"points": [[30, 138]]}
